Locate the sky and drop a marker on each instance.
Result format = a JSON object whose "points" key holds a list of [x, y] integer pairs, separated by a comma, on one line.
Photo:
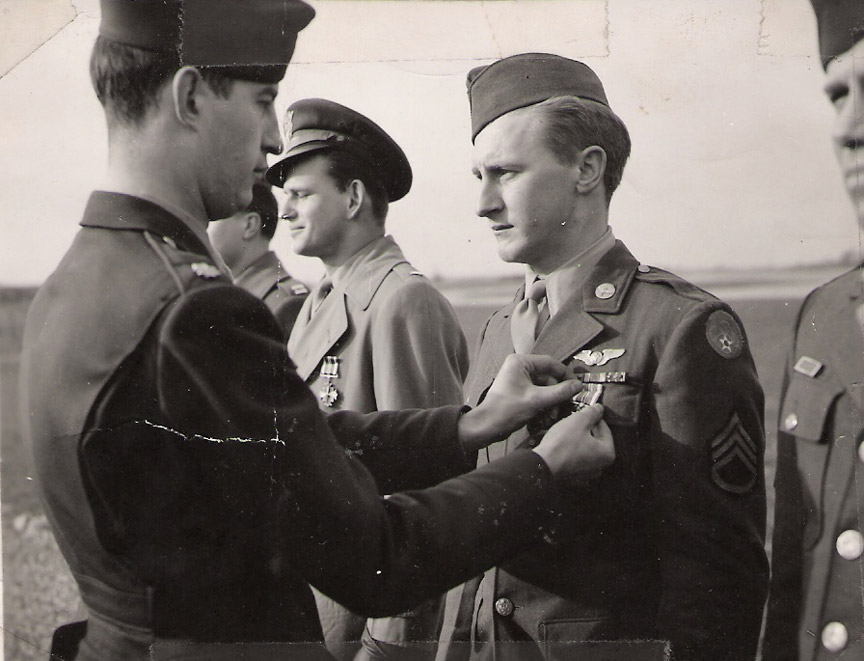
{"points": [[731, 166]]}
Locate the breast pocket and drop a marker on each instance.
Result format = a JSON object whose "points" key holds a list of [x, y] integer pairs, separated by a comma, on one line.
{"points": [[805, 413], [622, 403]]}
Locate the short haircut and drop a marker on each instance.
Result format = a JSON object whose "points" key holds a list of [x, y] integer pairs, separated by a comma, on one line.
{"points": [[572, 124], [264, 204], [128, 79]]}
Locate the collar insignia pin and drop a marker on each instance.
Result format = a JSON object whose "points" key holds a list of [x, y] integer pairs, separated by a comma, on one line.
{"points": [[205, 270]]}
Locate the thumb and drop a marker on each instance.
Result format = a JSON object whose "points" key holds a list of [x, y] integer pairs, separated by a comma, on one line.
{"points": [[548, 396], [590, 415]]}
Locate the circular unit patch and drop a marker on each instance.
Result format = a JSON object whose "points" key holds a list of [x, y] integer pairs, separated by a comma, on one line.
{"points": [[724, 334]]}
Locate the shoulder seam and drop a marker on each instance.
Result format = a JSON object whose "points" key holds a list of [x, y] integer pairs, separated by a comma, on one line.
{"points": [[164, 258]]}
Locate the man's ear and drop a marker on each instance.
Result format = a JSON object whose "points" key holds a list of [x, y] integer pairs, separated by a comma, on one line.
{"points": [[251, 225], [591, 166], [356, 195], [186, 87]]}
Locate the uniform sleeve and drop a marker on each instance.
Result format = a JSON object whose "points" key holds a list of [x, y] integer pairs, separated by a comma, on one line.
{"points": [[709, 492], [784, 598], [267, 459], [419, 354]]}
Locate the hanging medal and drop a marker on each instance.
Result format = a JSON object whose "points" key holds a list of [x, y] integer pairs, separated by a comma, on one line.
{"points": [[328, 394]]}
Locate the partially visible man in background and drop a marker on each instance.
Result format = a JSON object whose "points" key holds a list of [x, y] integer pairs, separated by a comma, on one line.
{"points": [[243, 240], [815, 608], [670, 552], [375, 334]]}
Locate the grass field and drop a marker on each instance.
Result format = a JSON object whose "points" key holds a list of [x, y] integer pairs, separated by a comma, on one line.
{"points": [[38, 593]]}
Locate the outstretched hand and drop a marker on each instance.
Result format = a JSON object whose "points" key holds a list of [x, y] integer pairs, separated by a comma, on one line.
{"points": [[525, 385]]}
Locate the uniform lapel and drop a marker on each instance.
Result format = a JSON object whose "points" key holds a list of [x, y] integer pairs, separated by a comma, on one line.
{"points": [[496, 346], [568, 331], [316, 337]]}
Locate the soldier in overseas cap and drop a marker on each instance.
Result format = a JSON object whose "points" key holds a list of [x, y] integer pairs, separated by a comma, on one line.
{"points": [[193, 484], [375, 334], [669, 554], [815, 605], [243, 241]]}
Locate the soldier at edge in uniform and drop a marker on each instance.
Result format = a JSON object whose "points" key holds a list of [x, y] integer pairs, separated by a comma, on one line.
{"points": [[670, 554], [375, 334], [815, 606], [192, 483], [243, 240]]}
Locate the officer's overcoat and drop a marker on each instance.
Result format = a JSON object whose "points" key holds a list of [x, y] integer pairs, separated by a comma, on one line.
{"points": [[190, 478], [267, 279], [397, 340], [667, 544], [816, 593]]}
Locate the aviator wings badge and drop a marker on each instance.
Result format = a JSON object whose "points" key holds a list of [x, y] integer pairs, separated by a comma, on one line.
{"points": [[598, 358]]}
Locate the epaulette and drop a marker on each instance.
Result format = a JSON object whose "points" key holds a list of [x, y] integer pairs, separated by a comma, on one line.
{"points": [[185, 268], [681, 286]]}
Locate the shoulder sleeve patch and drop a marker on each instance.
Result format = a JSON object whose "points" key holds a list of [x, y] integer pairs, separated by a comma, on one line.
{"points": [[734, 458], [724, 334]]}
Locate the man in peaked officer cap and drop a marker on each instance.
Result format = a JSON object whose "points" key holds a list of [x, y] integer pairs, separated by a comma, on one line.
{"points": [[374, 335], [814, 608], [670, 551], [243, 241], [193, 485]]}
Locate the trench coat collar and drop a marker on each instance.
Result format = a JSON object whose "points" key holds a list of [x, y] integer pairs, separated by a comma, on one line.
{"points": [[358, 280], [363, 274]]}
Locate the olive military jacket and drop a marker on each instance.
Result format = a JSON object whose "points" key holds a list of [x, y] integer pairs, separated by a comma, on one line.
{"points": [[268, 280], [815, 609], [193, 485], [396, 338], [667, 544]]}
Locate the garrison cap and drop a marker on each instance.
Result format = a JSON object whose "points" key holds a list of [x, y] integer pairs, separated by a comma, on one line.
{"points": [[841, 26], [318, 124], [251, 39], [523, 80]]}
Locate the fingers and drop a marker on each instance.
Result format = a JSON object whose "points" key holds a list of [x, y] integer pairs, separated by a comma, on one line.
{"points": [[544, 367], [548, 396]]}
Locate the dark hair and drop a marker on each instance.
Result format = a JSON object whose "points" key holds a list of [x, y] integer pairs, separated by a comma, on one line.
{"points": [[344, 167], [264, 204], [572, 124], [127, 79]]}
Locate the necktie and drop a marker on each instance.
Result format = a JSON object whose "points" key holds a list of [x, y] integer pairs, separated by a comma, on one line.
{"points": [[319, 294], [529, 317]]}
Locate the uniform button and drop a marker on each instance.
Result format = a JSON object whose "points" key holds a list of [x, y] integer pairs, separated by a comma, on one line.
{"points": [[834, 636], [850, 545], [790, 422], [504, 607], [861, 452], [643, 269], [605, 290]]}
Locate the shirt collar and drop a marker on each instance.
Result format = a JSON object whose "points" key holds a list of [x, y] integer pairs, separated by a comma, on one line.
{"points": [[571, 275]]}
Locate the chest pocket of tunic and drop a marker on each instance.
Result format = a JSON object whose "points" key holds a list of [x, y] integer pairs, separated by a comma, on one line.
{"points": [[804, 414], [622, 403]]}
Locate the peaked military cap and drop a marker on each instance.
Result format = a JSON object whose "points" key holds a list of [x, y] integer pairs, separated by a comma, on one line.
{"points": [[253, 39], [318, 124], [841, 26], [523, 80]]}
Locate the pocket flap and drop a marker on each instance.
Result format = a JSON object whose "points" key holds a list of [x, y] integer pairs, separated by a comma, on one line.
{"points": [[806, 405]]}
